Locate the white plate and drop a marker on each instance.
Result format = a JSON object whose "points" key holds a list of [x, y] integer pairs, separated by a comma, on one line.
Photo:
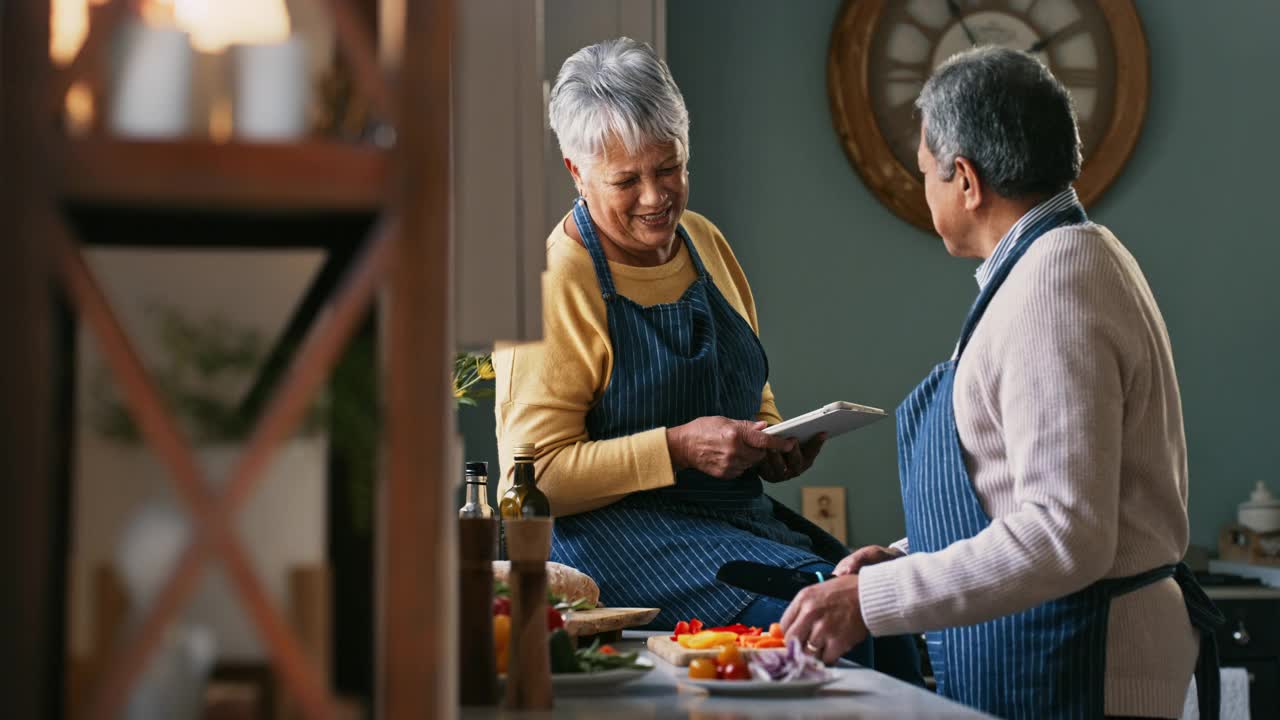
{"points": [[790, 688], [602, 681]]}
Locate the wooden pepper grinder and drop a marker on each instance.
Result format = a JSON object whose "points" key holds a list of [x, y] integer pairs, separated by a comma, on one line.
{"points": [[529, 665], [478, 672]]}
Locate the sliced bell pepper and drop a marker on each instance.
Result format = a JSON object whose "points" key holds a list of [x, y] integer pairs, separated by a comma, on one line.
{"points": [[691, 627], [760, 642], [707, 639]]}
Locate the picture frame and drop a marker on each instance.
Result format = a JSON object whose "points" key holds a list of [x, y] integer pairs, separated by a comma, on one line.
{"points": [[824, 506]]}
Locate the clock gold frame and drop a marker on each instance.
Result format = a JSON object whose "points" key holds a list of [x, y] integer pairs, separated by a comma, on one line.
{"points": [[848, 86]]}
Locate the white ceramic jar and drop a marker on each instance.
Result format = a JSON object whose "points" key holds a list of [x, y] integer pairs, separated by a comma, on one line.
{"points": [[1262, 511]]}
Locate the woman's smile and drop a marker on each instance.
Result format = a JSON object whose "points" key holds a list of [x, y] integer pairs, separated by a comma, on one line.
{"points": [[658, 220]]}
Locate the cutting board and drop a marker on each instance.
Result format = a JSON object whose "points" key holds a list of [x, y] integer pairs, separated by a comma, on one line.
{"points": [[671, 651], [602, 620]]}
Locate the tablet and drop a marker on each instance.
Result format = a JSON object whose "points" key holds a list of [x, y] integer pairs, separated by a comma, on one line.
{"points": [[835, 419]]}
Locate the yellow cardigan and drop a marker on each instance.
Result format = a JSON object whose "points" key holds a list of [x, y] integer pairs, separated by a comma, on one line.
{"points": [[545, 389]]}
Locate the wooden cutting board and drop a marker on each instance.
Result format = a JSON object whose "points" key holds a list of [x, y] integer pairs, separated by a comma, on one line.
{"points": [[671, 651], [601, 620]]}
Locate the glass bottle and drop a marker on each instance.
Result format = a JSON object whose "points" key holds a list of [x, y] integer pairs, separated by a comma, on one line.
{"points": [[523, 499], [477, 481]]}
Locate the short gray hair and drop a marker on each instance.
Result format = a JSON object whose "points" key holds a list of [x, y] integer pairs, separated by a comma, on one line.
{"points": [[1008, 115], [617, 88]]}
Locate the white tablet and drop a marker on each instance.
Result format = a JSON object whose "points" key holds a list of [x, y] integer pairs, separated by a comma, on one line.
{"points": [[835, 419]]}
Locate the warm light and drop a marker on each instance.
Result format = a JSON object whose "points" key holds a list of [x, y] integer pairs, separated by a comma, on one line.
{"points": [[79, 110], [215, 24], [157, 13], [220, 120], [212, 24], [68, 26]]}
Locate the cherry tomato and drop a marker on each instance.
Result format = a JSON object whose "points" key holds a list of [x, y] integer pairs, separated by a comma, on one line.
{"points": [[736, 671], [702, 669], [729, 655], [607, 650], [554, 619]]}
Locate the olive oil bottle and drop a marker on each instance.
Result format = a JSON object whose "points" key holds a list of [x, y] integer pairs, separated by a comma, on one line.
{"points": [[523, 499]]}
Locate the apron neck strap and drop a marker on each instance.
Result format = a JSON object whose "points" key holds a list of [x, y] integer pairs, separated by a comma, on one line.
{"points": [[587, 228], [1071, 215]]}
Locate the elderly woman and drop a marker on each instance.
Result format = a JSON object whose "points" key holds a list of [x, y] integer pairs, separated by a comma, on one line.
{"points": [[1043, 467], [648, 395]]}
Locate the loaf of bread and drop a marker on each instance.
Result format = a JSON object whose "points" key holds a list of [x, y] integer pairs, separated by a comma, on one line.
{"points": [[562, 580]]}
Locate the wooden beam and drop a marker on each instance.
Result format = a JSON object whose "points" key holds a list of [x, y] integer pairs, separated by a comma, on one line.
{"points": [[213, 517], [416, 668], [29, 499], [355, 41], [310, 175]]}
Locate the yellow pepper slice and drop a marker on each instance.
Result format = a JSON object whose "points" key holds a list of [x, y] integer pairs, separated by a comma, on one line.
{"points": [[707, 639]]}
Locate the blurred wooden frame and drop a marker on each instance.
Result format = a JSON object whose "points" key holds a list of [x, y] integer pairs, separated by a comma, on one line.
{"points": [[310, 615], [408, 251]]}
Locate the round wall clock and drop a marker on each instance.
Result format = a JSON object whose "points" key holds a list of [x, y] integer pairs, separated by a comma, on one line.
{"points": [[883, 51]]}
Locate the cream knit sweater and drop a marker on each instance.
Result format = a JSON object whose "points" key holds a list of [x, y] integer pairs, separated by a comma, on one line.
{"points": [[1070, 421]]}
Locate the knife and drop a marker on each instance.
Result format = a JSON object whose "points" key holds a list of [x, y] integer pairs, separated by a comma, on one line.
{"points": [[779, 582]]}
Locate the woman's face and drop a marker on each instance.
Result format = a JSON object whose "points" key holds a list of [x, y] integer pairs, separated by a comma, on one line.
{"points": [[636, 200]]}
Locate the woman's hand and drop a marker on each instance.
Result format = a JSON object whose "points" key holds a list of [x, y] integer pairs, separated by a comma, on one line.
{"points": [[864, 556], [779, 466], [721, 447]]}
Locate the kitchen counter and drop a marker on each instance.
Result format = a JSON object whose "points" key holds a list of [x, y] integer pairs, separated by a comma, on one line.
{"points": [[859, 693]]}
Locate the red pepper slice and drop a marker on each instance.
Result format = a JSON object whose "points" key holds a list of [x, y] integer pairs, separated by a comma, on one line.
{"points": [[682, 628], [695, 626], [735, 628]]}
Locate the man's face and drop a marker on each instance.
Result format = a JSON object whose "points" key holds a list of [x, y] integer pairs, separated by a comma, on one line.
{"points": [[945, 199]]}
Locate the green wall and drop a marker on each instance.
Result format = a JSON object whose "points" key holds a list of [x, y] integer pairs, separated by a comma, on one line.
{"points": [[855, 304]]}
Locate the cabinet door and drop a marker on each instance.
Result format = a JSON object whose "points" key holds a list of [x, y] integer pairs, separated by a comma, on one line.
{"points": [[1251, 630], [1264, 687], [497, 168], [510, 185]]}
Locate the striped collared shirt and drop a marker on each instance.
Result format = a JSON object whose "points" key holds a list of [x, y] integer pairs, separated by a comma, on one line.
{"points": [[1054, 204]]}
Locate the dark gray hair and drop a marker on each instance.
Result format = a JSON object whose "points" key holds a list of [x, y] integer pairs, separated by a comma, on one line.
{"points": [[1008, 115], [616, 88]]}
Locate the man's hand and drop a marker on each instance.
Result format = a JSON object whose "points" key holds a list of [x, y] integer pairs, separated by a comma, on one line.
{"points": [[721, 447], [779, 466], [864, 556], [827, 618]]}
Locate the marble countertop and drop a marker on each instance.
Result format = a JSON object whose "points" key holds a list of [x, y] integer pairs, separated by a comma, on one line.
{"points": [[858, 693]]}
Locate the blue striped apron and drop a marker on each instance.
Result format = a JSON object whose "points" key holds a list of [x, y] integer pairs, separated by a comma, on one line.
{"points": [[1049, 661], [673, 363]]}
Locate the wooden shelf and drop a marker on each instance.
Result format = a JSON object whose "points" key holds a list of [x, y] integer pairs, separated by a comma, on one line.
{"points": [[310, 175]]}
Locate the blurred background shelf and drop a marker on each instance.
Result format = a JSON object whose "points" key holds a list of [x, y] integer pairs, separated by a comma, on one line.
{"points": [[311, 175]]}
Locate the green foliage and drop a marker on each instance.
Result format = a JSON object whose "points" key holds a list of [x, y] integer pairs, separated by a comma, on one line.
{"points": [[472, 377], [205, 368]]}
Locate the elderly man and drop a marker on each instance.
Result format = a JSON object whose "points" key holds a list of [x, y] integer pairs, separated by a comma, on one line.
{"points": [[1043, 467]]}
